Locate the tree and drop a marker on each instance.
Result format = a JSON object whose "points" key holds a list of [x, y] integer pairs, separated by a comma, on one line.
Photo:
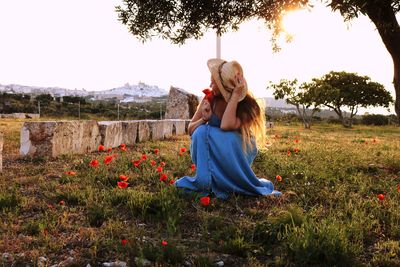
{"points": [[337, 90], [179, 20], [303, 97]]}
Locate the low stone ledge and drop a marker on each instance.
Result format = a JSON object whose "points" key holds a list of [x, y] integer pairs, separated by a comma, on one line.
{"points": [[111, 133], [129, 132], [20, 116], [50, 138], [1, 151], [174, 127]]}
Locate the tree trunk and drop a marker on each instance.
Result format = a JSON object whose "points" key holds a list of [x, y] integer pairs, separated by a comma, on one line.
{"points": [[382, 15]]}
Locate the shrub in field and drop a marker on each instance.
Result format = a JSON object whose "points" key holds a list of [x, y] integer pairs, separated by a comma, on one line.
{"points": [[9, 201], [375, 119], [320, 243]]}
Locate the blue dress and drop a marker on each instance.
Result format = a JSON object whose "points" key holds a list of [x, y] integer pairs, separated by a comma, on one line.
{"points": [[222, 167]]}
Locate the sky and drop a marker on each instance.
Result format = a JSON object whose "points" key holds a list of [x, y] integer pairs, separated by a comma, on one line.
{"points": [[81, 44]]}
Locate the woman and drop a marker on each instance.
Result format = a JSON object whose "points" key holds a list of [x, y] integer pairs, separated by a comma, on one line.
{"points": [[224, 132]]}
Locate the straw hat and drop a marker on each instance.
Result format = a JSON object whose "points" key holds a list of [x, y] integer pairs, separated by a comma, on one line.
{"points": [[224, 73]]}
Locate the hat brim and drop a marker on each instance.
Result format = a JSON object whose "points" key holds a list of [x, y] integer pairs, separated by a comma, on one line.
{"points": [[213, 65]]}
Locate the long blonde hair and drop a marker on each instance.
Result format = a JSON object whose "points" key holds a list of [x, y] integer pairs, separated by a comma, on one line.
{"points": [[252, 119]]}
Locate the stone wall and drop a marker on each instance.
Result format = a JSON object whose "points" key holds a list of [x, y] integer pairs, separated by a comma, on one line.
{"points": [[78, 137], [20, 116]]}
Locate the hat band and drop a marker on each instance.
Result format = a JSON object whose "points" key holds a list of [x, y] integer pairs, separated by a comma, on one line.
{"points": [[220, 77]]}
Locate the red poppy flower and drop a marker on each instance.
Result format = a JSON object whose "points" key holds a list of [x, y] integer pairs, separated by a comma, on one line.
{"points": [[108, 159], [381, 196], [163, 177], [208, 94], [366, 142], [159, 169], [398, 188], [205, 201], [94, 163], [144, 157], [289, 153], [180, 154], [123, 177], [124, 242], [153, 163], [296, 150], [164, 243], [123, 148], [183, 149], [156, 151], [193, 167], [171, 182], [50, 206], [296, 141], [70, 173], [62, 202], [279, 178], [122, 184], [136, 163], [109, 149], [102, 148], [122, 145], [162, 164]]}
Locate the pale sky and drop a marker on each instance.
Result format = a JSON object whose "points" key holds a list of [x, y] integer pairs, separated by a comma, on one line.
{"points": [[81, 44]]}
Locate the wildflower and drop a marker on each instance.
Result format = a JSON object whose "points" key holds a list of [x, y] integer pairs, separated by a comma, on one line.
{"points": [[208, 93], [171, 182], [289, 153], [398, 188], [94, 163], [205, 201], [156, 151], [123, 177], [180, 154], [183, 149], [296, 150], [296, 141], [122, 184], [381, 196], [163, 177], [144, 157], [279, 178], [193, 167], [164, 243], [162, 164], [108, 159], [153, 163], [102, 148], [50, 206], [109, 149], [70, 173], [122, 146], [136, 163], [366, 142], [124, 242], [159, 169], [62, 202]]}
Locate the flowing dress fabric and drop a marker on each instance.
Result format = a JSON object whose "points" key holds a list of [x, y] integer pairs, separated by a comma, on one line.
{"points": [[222, 165]]}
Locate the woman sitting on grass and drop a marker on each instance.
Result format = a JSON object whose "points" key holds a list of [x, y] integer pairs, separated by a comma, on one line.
{"points": [[224, 132]]}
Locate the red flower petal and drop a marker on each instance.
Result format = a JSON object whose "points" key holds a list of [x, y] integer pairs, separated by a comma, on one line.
{"points": [[163, 177], [156, 151], [164, 243], [122, 184], [153, 163], [124, 242], [183, 150], [162, 164], [381, 196], [278, 178], [398, 188], [108, 159], [144, 157], [193, 167], [171, 182], [94, 163], [102, 148], [159, 169], [205, 201], [136, 163], [123, 177]]}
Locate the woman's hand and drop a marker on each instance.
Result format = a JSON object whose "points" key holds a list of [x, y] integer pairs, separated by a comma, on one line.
{"points": [[206, 110], [240, 86]]}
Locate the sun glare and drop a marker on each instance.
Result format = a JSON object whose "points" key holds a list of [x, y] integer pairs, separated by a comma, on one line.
{"points": [[294, 22]]}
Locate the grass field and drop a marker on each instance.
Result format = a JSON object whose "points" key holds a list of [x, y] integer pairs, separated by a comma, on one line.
{"points": [[340, 204]]}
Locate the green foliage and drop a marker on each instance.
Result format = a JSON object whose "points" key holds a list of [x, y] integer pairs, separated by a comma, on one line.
{"points": [[375, 119], [337, 90], [9, 201]]}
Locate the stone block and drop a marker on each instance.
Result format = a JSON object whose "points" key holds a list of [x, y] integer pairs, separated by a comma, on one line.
{"points": [[156, 129], [143, 131], [174, 127], [51, 138], [129, 132], [111, 133], [181, 104]]}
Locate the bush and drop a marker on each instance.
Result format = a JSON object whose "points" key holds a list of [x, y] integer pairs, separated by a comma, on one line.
{"points": [[375, 119]]}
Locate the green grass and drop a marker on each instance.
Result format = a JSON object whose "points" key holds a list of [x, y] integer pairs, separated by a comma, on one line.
{"points": [[329, 214]]}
